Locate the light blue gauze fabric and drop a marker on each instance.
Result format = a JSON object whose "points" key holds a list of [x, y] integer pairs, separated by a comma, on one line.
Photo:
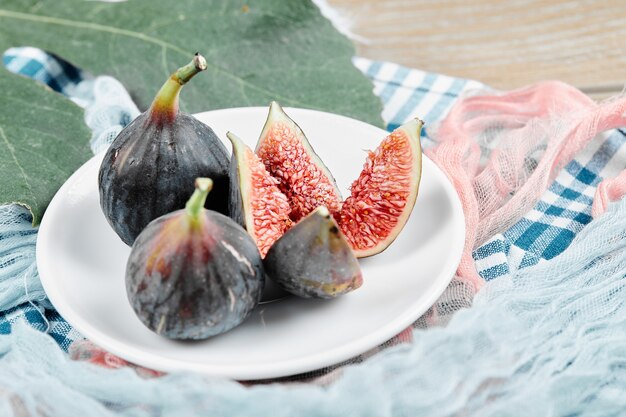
{"points": [[548, 338]]}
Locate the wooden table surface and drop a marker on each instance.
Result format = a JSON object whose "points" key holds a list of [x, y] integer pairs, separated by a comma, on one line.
{"points": [[504, 43]]}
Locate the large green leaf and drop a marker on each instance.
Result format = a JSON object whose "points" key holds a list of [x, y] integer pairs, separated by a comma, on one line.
{"points": [[281, 50], [266, 50], [43, 139]]}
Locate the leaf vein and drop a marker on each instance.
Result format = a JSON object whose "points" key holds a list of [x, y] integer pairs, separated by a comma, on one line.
{"points": [[12, 152], [137, 35], [90, 26]]}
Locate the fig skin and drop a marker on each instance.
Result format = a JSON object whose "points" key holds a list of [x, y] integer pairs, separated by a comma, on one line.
{"points": [[313, 259], [193, 274], [150, 168]]}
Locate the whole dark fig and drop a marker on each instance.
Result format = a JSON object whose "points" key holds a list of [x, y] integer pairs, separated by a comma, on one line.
{"points": [[194, 273], [313, 259], [150, 167]]}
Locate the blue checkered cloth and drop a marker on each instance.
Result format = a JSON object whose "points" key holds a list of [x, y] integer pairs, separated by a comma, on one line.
{"points": [[563, 211], [48, 69], [540, 235], [45, 320]]}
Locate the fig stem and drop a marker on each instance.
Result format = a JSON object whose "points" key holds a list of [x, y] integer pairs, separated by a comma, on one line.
{"points": [[195, 204], [165, 104]]}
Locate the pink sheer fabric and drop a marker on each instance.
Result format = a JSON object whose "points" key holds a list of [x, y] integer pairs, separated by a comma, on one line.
{"points": [[609, 190], [501, 151]]}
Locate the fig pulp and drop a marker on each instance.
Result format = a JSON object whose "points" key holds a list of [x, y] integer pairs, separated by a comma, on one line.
{"points": [[313, 259], [381, 199], [383, 196], [194, 273], [301, 174], [150, 168], [256, 203]]}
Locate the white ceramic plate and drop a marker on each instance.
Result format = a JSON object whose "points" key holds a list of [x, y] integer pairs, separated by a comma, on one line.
{"points": [[81, 262]]}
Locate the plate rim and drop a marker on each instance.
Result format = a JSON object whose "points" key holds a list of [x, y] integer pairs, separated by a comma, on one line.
{"points": [[260, 370]]}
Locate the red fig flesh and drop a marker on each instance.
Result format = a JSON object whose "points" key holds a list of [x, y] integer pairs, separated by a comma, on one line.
{"points": [[383, 196], [301, 174]]}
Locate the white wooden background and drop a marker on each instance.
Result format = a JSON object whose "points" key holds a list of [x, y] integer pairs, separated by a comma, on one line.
{"points": [[504, 43]]}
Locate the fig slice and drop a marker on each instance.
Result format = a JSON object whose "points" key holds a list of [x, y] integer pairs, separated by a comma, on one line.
{"points": [[256, 203], [290, 158], [313, 259], [383, 196]]}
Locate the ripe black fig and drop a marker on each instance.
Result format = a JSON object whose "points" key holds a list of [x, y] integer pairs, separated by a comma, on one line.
{"points": [[150, 167], [194, 273], [313, 259]]}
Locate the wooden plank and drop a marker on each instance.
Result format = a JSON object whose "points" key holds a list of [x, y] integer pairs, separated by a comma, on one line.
{"points": [[506, 44]]}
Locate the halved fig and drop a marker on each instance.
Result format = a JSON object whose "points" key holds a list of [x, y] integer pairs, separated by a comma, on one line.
{"points": [[289, 157], [383, 196], [313, 259], [256, 203]]}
